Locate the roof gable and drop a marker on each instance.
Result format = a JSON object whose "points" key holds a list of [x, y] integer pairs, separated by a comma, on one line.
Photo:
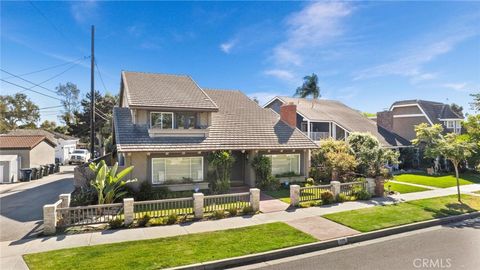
{"points": [[164, 91]]}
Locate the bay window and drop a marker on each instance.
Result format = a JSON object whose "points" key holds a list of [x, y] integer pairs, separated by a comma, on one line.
{"points": [[177, 169], [285, 163]]}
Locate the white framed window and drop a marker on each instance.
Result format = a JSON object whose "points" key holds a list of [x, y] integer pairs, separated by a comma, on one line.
{"points": [[450, 124], [163, 120], [177, 169], [285, 163]]}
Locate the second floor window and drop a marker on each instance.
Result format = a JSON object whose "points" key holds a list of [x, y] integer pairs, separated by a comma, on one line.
{"points": [[163, 120]]}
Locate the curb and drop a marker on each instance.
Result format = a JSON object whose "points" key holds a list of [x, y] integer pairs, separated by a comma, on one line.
{"points": [[297, 250]]}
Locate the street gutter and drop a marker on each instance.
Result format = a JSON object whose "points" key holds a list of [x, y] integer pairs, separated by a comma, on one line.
{"points": [[302, 249]]}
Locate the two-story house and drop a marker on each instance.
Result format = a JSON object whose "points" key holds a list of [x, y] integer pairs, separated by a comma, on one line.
{"points": [[166, 125], [403, 116], [321, 119]]}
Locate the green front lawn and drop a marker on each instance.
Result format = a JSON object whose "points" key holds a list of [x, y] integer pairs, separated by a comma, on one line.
{"points": [[380, 217], [172, 251], [282, 194], [440, 181], [402, 189]]}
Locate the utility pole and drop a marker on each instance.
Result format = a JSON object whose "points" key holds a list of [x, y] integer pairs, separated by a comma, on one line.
{"points": [[92, 98]]}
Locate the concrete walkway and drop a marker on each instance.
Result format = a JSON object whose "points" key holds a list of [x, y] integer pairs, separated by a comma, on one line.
{"points": [[269, 204], [10, 252], [411, 184]]}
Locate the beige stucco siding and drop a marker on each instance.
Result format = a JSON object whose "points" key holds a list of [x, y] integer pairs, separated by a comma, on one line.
{"points": [[24, 155], [405, 126], [407, 110], [42, 154]]}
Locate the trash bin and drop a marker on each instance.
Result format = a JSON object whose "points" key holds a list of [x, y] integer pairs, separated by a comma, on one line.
{"points": [[45, 170], [51, 168], [40, 172], [26, 174], [34, 173], [57, 167]]}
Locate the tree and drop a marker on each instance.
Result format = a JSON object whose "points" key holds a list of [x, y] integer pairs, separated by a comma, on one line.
{"points": [[475, 105], [332, 156], [457, 109], [452, 147], [48, 125], [108, 183], [220, 163], [17, 111], [255, 99], [370, 155], [472, 135], [69, 93], [309, 87]]}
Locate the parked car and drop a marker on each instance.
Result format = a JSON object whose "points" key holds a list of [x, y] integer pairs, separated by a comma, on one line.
{"points": [[79, 156]]}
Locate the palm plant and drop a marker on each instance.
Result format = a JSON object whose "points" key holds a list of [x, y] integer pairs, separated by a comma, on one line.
{"points": [[309, 87], [108, 183]]}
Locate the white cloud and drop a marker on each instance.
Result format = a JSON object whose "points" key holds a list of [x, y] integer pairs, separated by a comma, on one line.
{"points": [[227, 46], [280, 74], [315, 25], [455, 86], [83, 11], [410, 63]]}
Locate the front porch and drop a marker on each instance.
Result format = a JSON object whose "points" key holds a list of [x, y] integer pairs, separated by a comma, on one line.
{"points": [[321, 130]]}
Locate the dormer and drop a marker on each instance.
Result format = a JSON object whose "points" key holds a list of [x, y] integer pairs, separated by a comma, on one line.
{"points": [[168, 105]]}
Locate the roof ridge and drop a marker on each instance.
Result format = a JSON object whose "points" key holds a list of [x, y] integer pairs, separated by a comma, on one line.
{"points": [[157, 73]]}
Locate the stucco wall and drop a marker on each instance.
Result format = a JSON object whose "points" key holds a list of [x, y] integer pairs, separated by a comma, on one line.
{"points": [[42, 154], [405, 126], [23, 154]]}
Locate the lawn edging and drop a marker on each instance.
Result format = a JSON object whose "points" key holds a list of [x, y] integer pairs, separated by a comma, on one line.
{"points": [[306, 248]]}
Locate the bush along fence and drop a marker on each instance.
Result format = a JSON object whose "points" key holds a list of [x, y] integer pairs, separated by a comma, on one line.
{"points": [[60, 214], [300, 195]]}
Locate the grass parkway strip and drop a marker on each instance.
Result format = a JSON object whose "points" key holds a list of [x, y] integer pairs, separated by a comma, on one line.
{"points": [[440, 181], [172, 251], [402, 189], [380, 217]]}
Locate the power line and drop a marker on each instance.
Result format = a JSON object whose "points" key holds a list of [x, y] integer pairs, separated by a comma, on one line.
{"points": [[23, 87], [51, 67], [100, 75], [52, 24], [23, 79], [51, 107]]}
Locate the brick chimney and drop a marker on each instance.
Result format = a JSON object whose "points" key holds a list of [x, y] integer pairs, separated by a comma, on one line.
{"points": [[385, 120], [288, 113]]}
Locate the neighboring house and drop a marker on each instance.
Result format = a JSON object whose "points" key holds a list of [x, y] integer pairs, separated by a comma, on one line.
{"points": [[32, 150], [9, 165], [65, 144], [166, 125], [321, 119], [403, 115]]}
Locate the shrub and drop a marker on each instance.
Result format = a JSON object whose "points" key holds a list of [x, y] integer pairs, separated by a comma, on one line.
{"points": [[218, 214], [332, 156], [362, 195], [108, 183], [83, 196], [232, 211], [263, 171], [143, 221], [327, 197], [171, 219], [247, 210], [342, 198], [287, 174], [220, 164], [115, 223], [156, 221]]}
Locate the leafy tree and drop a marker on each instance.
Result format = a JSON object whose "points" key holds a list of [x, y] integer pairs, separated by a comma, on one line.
{"points": [[309, 87], [370, 155], [262, 166], [48, 125], [427, 139], [17, 111], [69, 93], [332, 156], [108, 183], [457, 108], [472, 135], [475, 105], [368, 114]]}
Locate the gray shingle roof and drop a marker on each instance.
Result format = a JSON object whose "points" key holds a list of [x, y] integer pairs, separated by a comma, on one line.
{"points": [[348, 118], [239, 124], [163, 90], [434, 110]]}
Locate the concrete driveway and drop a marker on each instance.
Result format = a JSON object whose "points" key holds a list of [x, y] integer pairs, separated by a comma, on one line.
{"points": [[21, 204]]}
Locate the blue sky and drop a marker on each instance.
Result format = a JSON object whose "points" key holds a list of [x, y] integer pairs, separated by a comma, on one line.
{"points": [[366, 54]]}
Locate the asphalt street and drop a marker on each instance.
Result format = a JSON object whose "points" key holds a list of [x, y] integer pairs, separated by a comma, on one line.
{"points": [[455, 246], [21, 204]]}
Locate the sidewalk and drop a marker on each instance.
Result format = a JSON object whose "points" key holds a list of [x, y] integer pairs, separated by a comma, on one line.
{"points": [[10, 252]]}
